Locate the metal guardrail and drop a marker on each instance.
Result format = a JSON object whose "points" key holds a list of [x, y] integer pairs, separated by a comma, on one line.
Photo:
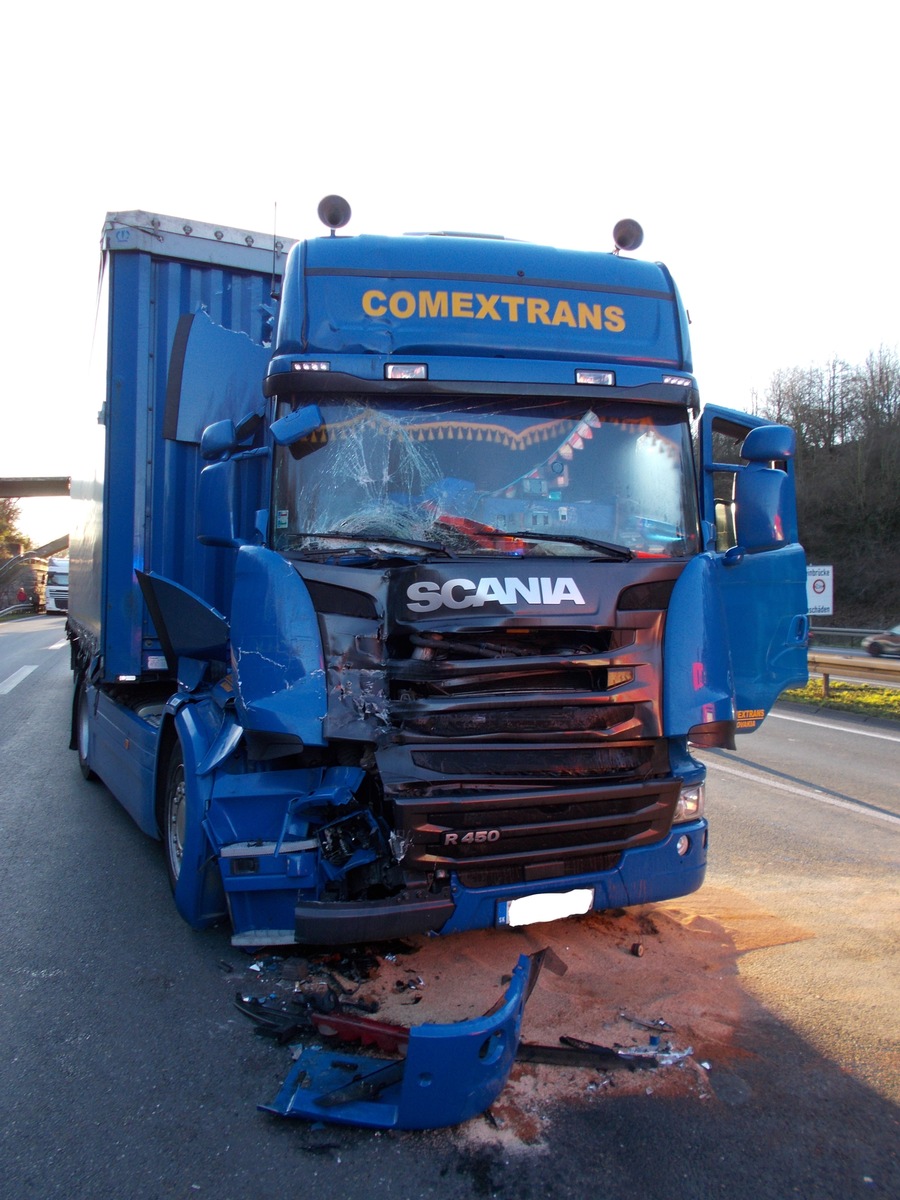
{"points": [[17, 608], [829, 636], [847, 666], [842, 632]]}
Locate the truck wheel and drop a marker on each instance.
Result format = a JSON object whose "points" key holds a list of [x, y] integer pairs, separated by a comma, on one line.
{"points": [[174, 814], [82, 730], [190, 863]]}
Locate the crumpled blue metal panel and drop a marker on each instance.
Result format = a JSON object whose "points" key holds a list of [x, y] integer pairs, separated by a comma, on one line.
{"points": [[276, 649], [450, 1074]]}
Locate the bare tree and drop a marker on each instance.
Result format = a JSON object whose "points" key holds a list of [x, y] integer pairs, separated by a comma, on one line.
{"points": [[847, 421]]}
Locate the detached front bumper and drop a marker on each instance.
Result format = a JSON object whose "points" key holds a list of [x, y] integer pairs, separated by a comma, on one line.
{"points": [[450, 1073]]}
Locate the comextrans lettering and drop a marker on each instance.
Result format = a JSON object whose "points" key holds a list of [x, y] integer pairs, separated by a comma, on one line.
{"points": [[531, 310], [427, 595]]}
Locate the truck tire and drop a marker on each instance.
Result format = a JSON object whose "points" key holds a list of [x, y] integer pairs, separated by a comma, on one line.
{"points": [[174, 813], [190, 863], [82, 730]]}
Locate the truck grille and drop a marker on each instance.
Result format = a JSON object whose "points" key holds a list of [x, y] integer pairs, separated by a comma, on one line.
{"points": [[520, 837], [529, 754], [497, 661], [515, 684], [621, 762], [511, 722]]}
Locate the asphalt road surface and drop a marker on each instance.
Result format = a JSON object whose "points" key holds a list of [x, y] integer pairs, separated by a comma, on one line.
{"points": [[126, 1072]]}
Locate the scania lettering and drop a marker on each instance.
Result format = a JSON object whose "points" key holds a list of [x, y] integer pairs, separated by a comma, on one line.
{"points": [[399, 602], [427, 596]]}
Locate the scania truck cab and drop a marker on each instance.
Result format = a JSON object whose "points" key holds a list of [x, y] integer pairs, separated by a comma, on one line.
{"points": [[432, 576]]}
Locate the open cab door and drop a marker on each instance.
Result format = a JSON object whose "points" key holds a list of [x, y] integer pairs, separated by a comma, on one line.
{"points": [[748, 501]]}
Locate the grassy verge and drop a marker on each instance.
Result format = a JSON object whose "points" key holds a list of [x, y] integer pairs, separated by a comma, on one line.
{"points": [[860, 698]]}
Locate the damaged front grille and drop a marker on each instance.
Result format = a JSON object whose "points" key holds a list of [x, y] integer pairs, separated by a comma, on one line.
{"points": [[505, 721], [523, 836], [608, 761], [499, 661], [522, 684], [526, 754]]}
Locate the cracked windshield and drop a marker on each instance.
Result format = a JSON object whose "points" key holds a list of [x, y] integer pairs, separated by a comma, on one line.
{"points": [[462, 476]]}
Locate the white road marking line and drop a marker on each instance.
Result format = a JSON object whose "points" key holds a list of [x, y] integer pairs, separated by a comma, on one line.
{"points": [[832, 724], [59, 645], [17, 676], [807, 793]]}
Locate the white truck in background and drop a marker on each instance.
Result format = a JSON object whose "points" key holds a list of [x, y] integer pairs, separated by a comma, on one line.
{"points": [[57, 595]]}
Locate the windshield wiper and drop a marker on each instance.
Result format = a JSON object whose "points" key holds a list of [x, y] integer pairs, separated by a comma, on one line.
{"points": [[367, 539], [610, 549]]}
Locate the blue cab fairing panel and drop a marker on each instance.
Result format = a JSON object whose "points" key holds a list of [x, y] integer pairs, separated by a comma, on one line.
{"points": [[449, 297], [450, 1073], [758, 575], [276, 648]]}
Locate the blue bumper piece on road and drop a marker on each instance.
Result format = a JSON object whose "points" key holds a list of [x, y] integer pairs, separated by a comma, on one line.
{"points": [[450, 1074]]}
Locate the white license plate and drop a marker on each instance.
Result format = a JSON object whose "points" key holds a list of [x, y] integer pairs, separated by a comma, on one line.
{"points": [[546, 906]]}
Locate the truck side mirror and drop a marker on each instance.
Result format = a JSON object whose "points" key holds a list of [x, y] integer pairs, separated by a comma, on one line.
{"points": [[228, 500], [297, 425], [769, 443], [218, 439], [765, 515]]}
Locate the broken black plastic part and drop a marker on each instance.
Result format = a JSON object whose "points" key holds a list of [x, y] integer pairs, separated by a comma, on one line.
{"points": [[274, 1022], [604, 1057], [564, 1056], [342, 922], [633, 1059], [656, 1026]]}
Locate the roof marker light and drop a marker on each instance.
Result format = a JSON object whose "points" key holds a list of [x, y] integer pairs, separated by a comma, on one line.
{"points": [[406, 371], [597, 378]]}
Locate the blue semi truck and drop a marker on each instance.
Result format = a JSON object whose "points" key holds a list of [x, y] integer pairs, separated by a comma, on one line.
{"points": [[408, 571]]}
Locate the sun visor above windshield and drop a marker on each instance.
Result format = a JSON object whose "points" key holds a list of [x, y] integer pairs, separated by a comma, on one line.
{"points": [[476, 297]]}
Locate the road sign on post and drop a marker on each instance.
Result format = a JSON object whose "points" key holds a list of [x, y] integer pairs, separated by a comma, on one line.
{"points": [[820, 591]]}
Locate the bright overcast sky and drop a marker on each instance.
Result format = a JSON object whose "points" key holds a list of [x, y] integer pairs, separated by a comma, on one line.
{"points": [[756, 144]]}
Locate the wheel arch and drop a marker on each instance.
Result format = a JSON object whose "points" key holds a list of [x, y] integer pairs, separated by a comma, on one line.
{"points": [[199, 893], [168, 735]]}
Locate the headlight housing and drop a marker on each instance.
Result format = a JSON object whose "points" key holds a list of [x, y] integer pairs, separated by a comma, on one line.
{"points": [[691, 803]]}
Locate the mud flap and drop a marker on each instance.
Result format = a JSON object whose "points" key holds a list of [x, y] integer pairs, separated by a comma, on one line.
{"points": [[450, 1074]]}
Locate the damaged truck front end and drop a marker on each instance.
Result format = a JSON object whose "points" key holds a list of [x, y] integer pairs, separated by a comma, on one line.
{"points": [[425, 721], [399, 611]]}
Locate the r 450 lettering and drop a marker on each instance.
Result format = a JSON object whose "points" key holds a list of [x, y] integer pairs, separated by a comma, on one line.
{"points": [[474, 836]]}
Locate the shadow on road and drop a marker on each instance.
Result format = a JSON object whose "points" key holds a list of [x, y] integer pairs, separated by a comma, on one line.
{"points": [[127, 1069]]}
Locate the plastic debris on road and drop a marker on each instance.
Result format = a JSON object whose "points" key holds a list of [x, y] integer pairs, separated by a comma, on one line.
{"points": [[449, 1074]]}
